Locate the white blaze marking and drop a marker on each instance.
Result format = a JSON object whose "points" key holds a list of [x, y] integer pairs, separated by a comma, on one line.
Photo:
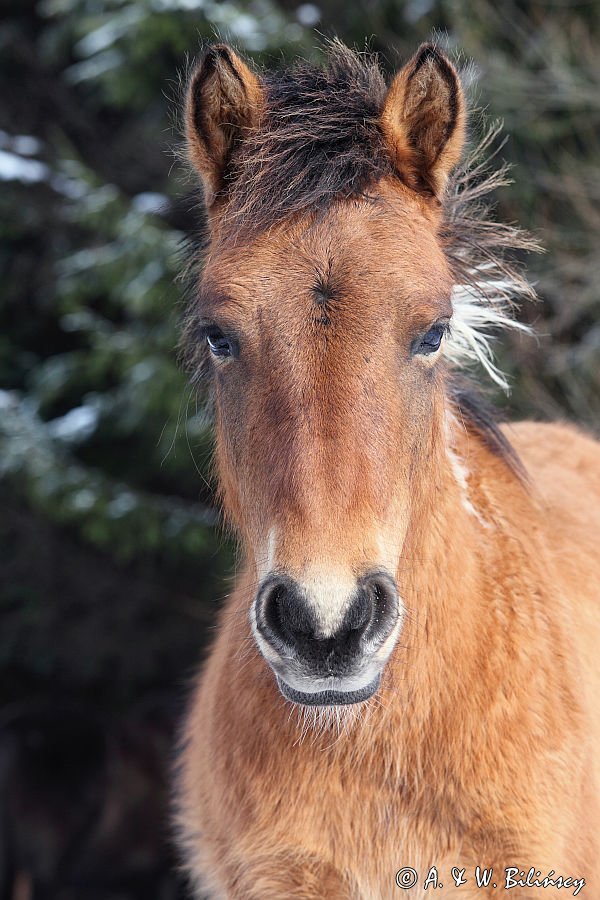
{"points": [[329, 592]]}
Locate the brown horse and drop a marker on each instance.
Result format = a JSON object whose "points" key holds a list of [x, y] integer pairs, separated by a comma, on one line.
{"points": [[407, 673]]}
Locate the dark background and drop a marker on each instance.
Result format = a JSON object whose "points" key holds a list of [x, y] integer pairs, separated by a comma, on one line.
{"points": [[111, 560]]}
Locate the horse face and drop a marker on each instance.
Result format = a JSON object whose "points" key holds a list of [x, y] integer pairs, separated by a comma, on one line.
{"points": [[324, 333], [325, 343]]}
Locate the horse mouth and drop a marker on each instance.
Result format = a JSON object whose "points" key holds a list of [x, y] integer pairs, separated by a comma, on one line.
{"points": [[329, 697]]}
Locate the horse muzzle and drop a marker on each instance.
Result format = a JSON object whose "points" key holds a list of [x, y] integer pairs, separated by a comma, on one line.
{"points": [[337, 664]]}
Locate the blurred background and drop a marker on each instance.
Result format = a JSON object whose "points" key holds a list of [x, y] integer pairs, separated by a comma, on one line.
{"points": [[112, 562]]}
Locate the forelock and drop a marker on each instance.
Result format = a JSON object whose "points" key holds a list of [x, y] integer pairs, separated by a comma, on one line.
{"points": [[319, 140]]}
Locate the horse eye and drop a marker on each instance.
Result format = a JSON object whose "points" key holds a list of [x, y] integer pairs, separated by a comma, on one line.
{"points": [[218, 344], [430, 342]]}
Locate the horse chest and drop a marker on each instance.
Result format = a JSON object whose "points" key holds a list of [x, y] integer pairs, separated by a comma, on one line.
{"points": [[362, 818]]}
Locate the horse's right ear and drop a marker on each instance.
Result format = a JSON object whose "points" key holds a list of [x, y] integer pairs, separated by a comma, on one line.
{"points": [[223, 101]]}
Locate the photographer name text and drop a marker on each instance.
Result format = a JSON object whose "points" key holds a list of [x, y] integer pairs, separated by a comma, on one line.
{"points": [[504, 879]]}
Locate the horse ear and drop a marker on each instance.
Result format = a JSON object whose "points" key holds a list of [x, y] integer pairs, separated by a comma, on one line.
{"points": [[223, 102], [423, 120]]}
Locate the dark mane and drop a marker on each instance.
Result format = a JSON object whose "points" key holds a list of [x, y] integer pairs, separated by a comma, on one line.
{"points": [[319, 140]]}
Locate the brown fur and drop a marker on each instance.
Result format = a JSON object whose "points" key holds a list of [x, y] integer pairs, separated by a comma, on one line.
{"points": [[480, 746]]}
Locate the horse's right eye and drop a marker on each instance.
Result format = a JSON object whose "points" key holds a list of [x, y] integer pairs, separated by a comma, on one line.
{"points": [[219, 345]]}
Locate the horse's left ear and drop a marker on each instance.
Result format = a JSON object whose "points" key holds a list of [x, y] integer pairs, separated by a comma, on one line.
{"points": [[222, 105], [423, 120]]}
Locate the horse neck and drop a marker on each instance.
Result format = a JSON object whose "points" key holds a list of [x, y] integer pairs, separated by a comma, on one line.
{"points": [[457, 536]]}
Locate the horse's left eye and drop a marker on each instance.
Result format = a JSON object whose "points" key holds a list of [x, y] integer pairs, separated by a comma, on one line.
{"points": [[430, 342], [218, 344]]}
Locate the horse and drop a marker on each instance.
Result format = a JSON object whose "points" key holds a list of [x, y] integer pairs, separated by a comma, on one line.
{"points": [[402, 693]]}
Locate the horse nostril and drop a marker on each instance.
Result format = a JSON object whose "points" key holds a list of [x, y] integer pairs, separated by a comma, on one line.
{"points": [[283, 614], [377, 602]]}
